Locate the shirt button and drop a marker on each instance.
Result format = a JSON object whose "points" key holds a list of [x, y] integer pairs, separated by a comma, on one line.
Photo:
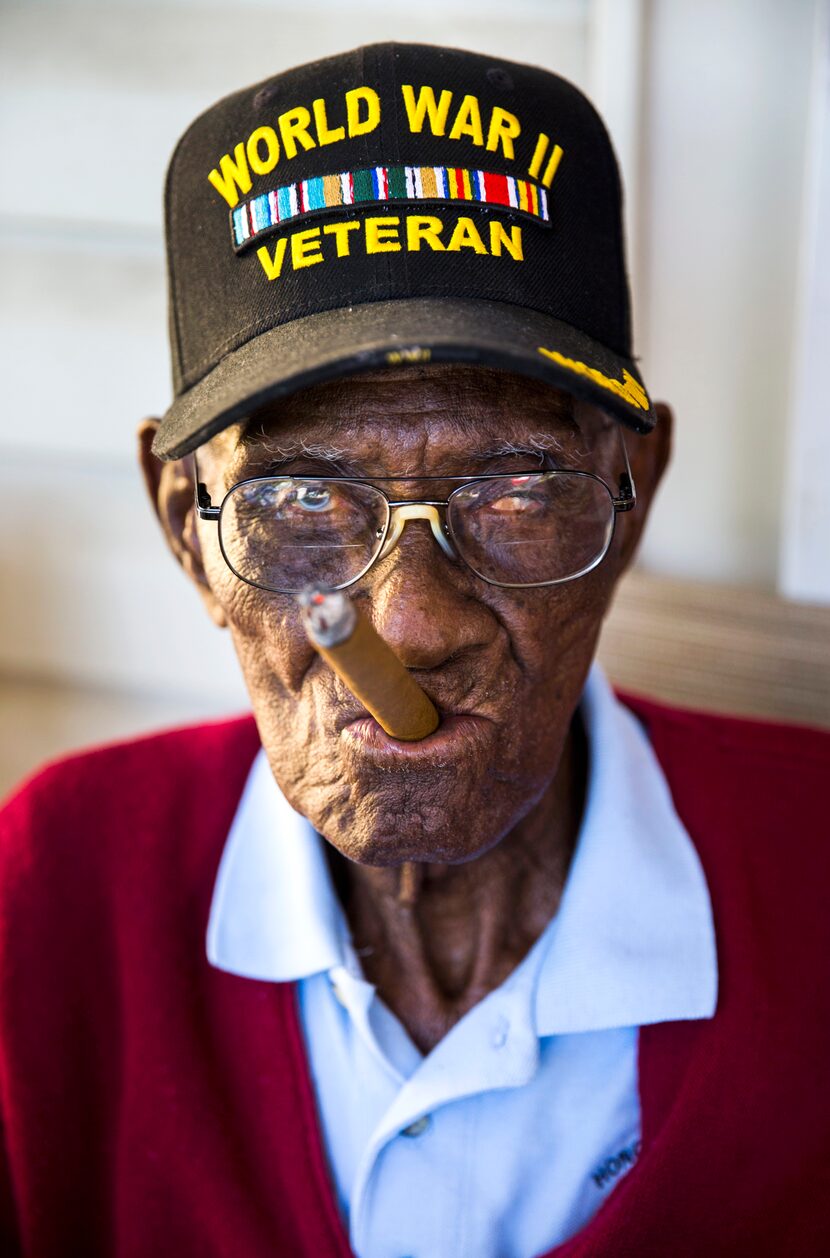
{"points": [[418, 1127], [500, 1033], [338, 994]]}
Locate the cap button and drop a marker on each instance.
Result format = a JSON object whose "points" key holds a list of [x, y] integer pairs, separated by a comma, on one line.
{"points": [[500, 78]]}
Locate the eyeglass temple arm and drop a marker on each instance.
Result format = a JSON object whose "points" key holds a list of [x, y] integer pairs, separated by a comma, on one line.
{"points": [[204, 507], [627, 499]]}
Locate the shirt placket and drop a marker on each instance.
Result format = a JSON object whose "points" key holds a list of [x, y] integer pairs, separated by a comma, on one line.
{"points": [[494, 1047]]}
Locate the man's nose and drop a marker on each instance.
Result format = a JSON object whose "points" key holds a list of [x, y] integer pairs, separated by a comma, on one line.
{"points": [[422, 603]]}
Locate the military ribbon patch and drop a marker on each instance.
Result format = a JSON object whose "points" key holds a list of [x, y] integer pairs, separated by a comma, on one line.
{"points": [[380, 184]]}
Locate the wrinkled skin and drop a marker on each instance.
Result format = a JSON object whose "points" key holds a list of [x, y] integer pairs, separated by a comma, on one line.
{"points": [[449, 866]]}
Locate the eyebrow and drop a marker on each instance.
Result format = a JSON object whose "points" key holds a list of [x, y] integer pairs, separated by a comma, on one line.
{"points": [[279, 456], [536, 445]]}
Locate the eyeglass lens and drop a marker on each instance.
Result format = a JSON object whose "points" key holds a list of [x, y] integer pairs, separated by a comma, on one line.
{"points": [[283, 533]]}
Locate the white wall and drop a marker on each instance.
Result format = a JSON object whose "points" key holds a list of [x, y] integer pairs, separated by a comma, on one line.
{"points": [[805, 534], [710, 125], [725, 122]]}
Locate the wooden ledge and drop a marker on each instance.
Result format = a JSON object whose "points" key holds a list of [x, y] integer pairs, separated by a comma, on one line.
{"points": [[719, 647]]}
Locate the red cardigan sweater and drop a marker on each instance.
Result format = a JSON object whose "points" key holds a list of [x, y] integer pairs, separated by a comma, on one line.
{"points": [[155, 1106]]}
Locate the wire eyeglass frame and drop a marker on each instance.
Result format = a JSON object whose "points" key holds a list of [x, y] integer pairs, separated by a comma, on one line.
{"points": [[400, 511]]}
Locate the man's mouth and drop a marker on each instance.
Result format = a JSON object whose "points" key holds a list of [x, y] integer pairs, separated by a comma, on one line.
{"points": [[459, 734]]}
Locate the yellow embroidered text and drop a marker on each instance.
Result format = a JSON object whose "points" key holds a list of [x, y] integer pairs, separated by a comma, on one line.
{"points": [[298, 130], [390, 234], [467, 124]]}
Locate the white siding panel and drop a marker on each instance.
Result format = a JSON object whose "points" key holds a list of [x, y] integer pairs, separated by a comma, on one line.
{"points": [[726, 107], [84, 344], [90, 593], [805, 560]]}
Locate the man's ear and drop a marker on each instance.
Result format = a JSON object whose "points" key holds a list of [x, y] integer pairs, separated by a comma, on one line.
{"points": [[649, 456], [171, 490]]}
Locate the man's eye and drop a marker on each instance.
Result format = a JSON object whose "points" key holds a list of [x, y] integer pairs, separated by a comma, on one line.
{"points": [[512, 504], [525, 495], [285, 496], [313, 497]]}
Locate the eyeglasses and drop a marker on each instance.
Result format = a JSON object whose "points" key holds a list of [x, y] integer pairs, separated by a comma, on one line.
{"points": [[282, 533]]}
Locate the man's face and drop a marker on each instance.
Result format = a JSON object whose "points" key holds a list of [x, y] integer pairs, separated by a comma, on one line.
{"points": [[514, 661]]}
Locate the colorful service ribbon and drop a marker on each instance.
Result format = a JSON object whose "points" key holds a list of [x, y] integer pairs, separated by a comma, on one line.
{"points": [[380, 184]]}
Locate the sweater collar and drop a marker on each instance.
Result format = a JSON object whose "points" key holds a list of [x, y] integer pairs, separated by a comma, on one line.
{"points": [[632, 942]]}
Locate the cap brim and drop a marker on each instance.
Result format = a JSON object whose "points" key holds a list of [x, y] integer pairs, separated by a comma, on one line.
{"points": [[343, 342]]}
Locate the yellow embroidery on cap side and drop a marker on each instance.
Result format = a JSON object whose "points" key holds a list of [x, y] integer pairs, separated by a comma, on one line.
{"points": [[629, 389], [413, 355]]}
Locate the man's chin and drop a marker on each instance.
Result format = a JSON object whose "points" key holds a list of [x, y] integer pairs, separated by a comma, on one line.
{"points": [[445, 799], [428, 818], [386, 850]]}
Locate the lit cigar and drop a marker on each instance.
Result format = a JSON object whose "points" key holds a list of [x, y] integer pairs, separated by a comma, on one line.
{"points": [[370, 668]]}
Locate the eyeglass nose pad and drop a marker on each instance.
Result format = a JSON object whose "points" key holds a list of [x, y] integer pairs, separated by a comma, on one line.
{"points": [[416, 511]]}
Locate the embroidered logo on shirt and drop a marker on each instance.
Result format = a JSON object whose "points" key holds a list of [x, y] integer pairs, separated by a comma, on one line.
{"points": [[608, 1170]]}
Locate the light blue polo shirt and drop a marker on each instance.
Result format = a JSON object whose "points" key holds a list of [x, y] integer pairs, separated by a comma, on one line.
{"points": [[508, 1136]]}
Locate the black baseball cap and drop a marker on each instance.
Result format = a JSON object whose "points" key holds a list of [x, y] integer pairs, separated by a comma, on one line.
{"points": [[401, 203]]}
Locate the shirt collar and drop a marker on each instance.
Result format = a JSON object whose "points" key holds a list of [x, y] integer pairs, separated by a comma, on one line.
{"points": [[274, 913], [633, 940]]}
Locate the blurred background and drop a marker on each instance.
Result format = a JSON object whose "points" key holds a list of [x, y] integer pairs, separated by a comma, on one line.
{"points": [[720, 114]]}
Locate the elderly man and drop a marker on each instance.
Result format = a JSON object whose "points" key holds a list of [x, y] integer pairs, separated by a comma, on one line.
{"points": [[538, 982]]}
